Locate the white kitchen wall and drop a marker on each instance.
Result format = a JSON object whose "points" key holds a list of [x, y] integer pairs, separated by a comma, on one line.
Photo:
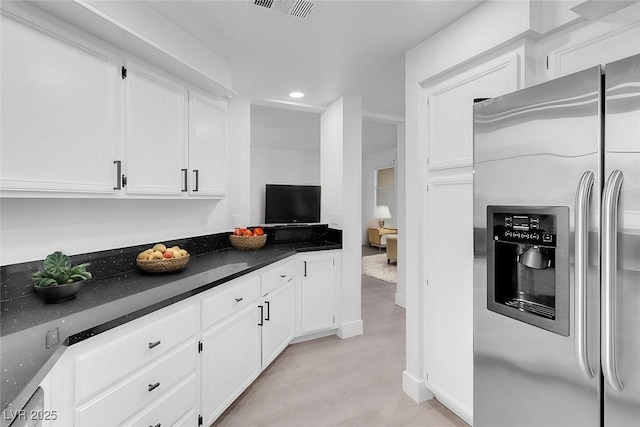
{"points": [[33, 228], [285, 149], [331, 164], [341, 180], [239, 112]]}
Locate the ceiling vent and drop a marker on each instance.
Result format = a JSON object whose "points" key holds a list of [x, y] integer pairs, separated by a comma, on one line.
{"points": [[299, 8]]}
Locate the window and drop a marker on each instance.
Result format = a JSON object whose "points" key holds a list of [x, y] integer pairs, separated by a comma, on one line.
{"points": [[385, 183]]}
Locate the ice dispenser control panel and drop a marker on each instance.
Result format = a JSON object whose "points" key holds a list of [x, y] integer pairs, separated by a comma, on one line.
{"points": [[518, 228]]}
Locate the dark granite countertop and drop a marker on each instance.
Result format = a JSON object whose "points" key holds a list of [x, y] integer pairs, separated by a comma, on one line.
{"points": [[104, 303]]}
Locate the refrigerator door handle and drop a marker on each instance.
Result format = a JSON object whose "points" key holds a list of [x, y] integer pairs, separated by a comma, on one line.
{"points": [[609, 230], [583, 197]]}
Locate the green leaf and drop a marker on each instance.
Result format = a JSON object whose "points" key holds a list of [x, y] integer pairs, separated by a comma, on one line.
{"points": [[56, 263], [80, 276], [45, 281]]}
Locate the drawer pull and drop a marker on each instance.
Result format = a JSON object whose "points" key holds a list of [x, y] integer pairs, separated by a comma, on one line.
{"points": [[154, 344], [157, 425], [153, 386], [283, 275], [239, 299]]}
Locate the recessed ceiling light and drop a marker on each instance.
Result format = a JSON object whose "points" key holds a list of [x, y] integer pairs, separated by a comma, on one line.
{"points": [[296, 95]]}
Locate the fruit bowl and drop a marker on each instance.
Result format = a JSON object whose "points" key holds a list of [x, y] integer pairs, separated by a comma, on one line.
{"points": [[248, 242], [160, 259], [164, 265]]}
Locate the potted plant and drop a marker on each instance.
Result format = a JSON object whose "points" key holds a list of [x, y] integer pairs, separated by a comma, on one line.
{"points": [[59, 281]]}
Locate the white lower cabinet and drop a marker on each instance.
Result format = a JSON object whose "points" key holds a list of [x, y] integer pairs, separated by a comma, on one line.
{"points": [[278, 322], [317, 292], [230, 361], [185, 364], [117, 404], [176, 408]]}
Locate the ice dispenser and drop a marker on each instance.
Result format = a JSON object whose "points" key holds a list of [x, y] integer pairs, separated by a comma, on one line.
{"points": [[528, 265]]}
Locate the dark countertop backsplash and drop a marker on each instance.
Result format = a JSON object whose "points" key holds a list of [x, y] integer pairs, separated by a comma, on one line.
{"points": [[15, 279]]}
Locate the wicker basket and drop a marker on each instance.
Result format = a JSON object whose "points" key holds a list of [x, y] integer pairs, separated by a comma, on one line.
{"points": [[164, 265], [248, 242]]}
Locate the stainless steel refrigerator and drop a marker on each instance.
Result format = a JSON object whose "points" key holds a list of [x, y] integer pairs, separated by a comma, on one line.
{"points": [[557, 252]]}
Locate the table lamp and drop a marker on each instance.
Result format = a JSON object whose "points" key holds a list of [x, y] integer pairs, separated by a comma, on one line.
{"points": [[382, 212]]}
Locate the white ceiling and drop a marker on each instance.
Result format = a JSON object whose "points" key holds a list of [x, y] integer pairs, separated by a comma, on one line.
{"points": [[342, 47]]}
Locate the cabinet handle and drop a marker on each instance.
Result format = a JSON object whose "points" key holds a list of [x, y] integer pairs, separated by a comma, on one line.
{"points": [[261, 316], [283, 275], [268, 316], [154, 344], [153, 386], [185, 188], [118, 164], [305, 268], [196, 174], [157, 425], [239, 299]]}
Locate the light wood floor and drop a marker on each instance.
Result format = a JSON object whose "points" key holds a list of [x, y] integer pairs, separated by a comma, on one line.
{"points": [[334, 382]]}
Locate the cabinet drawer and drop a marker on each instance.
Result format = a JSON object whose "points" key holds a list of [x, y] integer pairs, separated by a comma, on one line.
{"points": [[173, 408], [228, 300], [130, 396], [278, 276], [107, 363]]}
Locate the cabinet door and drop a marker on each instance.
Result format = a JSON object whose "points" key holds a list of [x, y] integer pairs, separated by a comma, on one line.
{"points": [[155, 133], [230, 361], [207, 146], [450, 143], [58, 116], [279, 321], [317, 294], [593, 45]]}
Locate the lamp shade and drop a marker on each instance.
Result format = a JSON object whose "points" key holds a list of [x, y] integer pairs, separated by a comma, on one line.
{"points": [[382, 212]]}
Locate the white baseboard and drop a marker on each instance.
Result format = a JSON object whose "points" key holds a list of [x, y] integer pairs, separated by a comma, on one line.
{"points": [[415, 388], [453, 404], [351, 329], [313, 336], [401, 301]]}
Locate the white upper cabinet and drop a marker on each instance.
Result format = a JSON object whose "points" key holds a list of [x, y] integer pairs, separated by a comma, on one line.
{"points": [[76, 123], [207, 146], [597, 43], [451, 108], [58, 113], [155, 133]]}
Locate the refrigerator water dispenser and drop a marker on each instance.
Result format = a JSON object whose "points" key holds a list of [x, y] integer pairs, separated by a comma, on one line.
{"points": [[528, 265]]}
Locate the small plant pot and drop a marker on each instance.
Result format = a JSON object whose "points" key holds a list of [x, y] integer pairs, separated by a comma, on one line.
{"points": [[59, 293]]}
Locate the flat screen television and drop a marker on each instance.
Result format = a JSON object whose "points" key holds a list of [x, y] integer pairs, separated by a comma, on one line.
{"points": [[291, 204]]}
